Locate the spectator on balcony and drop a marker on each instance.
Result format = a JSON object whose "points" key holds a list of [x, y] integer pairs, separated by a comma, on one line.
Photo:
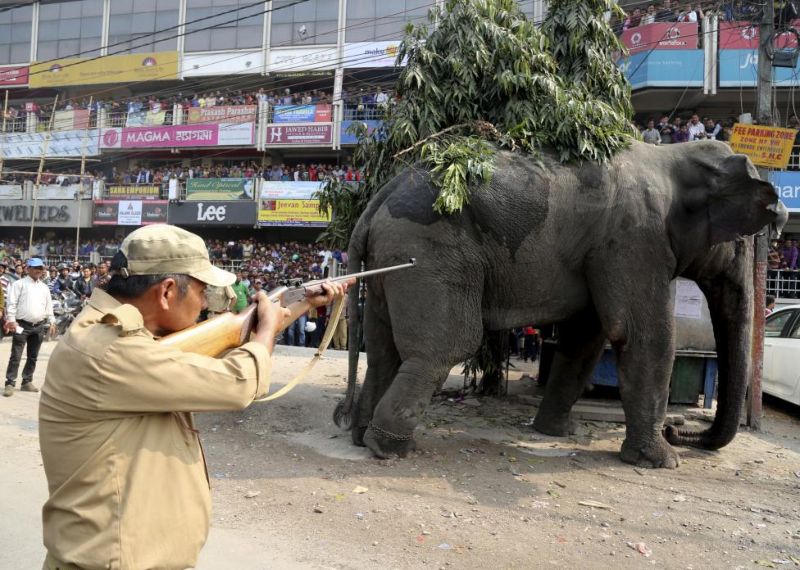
{"points": [[649, 16], [789, 252], [713, 129], [651, 135], [633, 20], [697, 130], [666, 13], [381, 99], [681, 134]]}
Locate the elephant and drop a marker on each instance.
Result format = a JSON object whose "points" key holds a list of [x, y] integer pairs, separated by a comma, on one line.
{"points": [[592, 247]]}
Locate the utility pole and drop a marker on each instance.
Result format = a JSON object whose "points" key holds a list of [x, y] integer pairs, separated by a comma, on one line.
{"points": [[764, 103]]}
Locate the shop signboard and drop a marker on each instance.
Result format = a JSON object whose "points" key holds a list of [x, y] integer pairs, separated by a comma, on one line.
{"points": [[11, 192], [288, 135], [223, 114], [290, 204], [209, 212], [69, 143], [140, 191], [180, 136], [11, 76], [130, 68], [222, 63], [220, 188], [129, 212], [666, 68], [302, 59], [738, 35], [52, 214], [787, 185], [58, 192], [660, 36], [302, 114], [371, 54]]}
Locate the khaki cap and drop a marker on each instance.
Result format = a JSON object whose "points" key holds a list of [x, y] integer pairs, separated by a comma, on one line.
{"points": [[161, 249]]}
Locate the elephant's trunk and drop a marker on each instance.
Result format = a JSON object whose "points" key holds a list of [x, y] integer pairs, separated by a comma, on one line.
{"points": [[730, 301]]}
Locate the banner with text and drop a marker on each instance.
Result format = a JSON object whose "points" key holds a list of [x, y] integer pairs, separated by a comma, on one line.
{"points": [[236, 213], [129, 212], [288, 135], [787, 185], [668, 68], [130, 68], [302, 114], [142, 191], [11, 192], [58, 192], [69, 120], [766, 146], [224, 114], [220, 188], [660, 36], [13, 76], [145, 118], [223, 134], [62, 143], [290, 204]]}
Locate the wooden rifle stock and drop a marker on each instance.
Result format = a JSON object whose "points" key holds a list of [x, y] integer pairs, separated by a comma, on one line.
{"points": [[231, 330]]}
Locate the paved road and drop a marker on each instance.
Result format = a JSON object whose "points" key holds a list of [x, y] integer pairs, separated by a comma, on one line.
{"points": [[24, 490]]}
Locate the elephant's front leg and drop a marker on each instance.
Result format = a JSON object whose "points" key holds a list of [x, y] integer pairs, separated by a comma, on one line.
{"points": [[391, 431], [580, 344], [644, 363]]}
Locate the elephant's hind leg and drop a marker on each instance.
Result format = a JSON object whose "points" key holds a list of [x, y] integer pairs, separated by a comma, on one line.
{"points": [[580, 344], [382, 365]]}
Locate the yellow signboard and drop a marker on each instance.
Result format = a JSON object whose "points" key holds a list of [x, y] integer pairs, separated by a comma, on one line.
{"points": [[109, 69], [291, 213], [766, 146]]}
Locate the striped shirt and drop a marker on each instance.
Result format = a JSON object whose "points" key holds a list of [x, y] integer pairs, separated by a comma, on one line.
{"points": [[29, 300]]}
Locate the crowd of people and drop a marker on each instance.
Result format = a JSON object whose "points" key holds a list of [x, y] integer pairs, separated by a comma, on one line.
{"points": [[664, 11], [679, 130], [360, 103]]}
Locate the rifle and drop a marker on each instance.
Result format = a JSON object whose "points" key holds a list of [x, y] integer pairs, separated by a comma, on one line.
{"points": [[230, 330]]}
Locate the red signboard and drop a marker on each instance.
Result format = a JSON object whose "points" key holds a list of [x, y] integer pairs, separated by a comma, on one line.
{"points": [[661, 35], [284, 135], [744, 35], [11, 76]]}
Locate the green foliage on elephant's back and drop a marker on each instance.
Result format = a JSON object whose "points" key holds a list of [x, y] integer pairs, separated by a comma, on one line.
{"points": [[482, 76]]}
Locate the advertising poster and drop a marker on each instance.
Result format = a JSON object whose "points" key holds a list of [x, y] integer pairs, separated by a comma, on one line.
{"points": [[230, 213], [667, 68], [222, 134], [129, 212], [302, 114], [787, 185], [660, 36], [291, 213], [12, 76], [224, 114], [110, 69], [220, 188]]}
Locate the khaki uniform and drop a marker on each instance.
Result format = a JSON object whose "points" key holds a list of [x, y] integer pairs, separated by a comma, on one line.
{"points": [[125, 469]]}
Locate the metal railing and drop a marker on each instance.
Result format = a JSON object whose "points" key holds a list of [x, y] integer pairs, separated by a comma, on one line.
{"points": [[783, 284]]}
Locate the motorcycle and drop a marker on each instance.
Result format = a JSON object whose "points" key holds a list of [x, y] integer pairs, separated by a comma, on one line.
{"points": [[66, 306]]}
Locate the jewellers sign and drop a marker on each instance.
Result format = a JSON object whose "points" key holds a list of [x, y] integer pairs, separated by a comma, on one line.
{"points": [[289, 135], [54, 214], [213, 213]]}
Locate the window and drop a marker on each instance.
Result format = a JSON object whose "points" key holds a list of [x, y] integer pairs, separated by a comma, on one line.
{"points": [[776, 323], [15, 35], [310, 23], [796, 332], [70, 29], [133, 23], [234, 27], [379, 20]]}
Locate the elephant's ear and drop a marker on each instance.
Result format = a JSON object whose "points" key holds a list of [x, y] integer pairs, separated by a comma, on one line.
{"points": [[740, 203]]}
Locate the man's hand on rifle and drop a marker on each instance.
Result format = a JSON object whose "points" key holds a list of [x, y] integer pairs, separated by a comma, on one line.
{"points": [[271, 318], [332, 291]]}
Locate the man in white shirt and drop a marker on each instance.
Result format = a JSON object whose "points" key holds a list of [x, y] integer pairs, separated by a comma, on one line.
{"points": [[697, 130], [29, 309]]}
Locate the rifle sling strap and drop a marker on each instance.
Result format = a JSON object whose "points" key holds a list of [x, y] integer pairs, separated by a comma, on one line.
{"points": [[337, 311]]}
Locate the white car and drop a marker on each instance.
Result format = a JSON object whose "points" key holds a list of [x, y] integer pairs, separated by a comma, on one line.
{"points": [[781, 376]]}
